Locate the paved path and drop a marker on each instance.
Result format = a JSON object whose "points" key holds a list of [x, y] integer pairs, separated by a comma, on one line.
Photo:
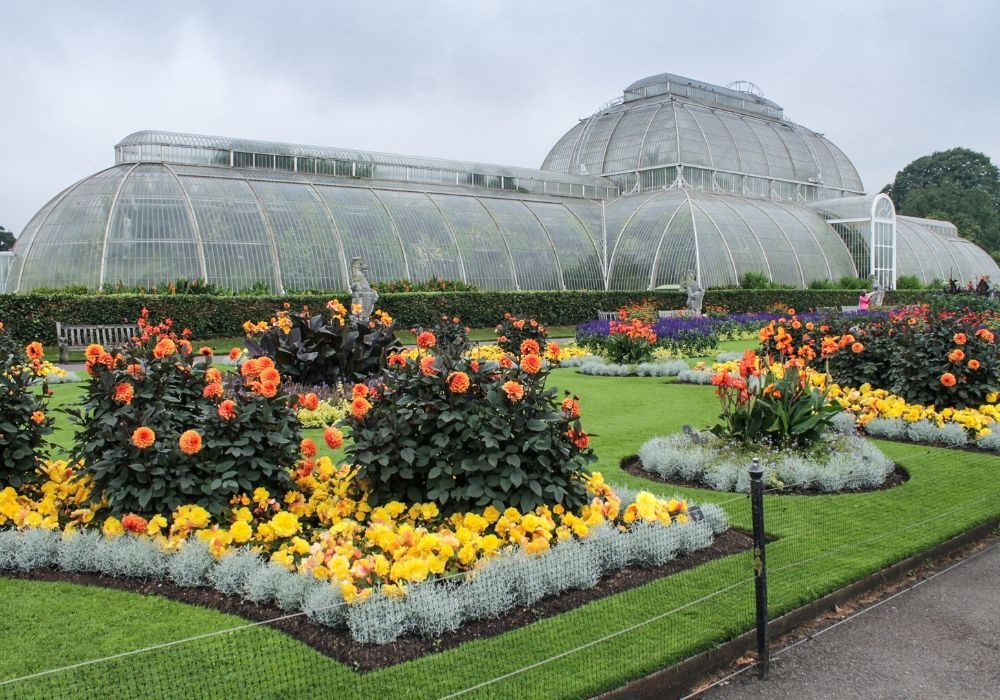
{"points": [[941, 640]]}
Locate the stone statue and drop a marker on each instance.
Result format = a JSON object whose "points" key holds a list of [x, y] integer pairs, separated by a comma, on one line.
{"points": [[363, 296], [877, 296], [696, 295], [63, 344]]}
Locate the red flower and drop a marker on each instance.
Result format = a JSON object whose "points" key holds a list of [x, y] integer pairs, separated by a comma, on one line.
{"points": [[310, 401], [135, 523], [308, 447]]}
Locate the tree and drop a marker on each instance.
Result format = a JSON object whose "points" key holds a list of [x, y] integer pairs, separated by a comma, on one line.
{"points": [[6, 239], [957, 185]]}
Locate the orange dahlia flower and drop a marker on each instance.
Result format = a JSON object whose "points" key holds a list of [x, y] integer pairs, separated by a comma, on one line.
{"points": [[530, 347], [123, 393], [135, 523], [34, 351], [271, 375], [37, 417], [426, 340], [190, 442], [960, 339], [948, 379], [458, 382], [571, 407], [212, 391], [235, 353], [267, 389], [974, 364], [514, 390], [143, 437], [984, 334], [93, 351], [396, 359], [956, 355], [360, 408], [427, 366], [308, 447], [164, 348], [531, 364], [334, 438], [857, 347], [310, 401], [227, 409], [205, 351], [213, 375], [359, 391]]}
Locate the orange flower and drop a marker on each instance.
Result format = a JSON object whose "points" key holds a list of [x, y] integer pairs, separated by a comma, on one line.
{"points": [[124, 393], [857, 347], [571, 407], [205, 351], [310, 401], [135, 370], [530, 347], [911, 321], [531, 364], [960, 339], [948, 379], [396, 359], [250, 369], [514, 390], [93, 351], [185, 347], [427, 366], [974, 364], [808, 354], [235, 353], [34, 351], [334, 438], [506, 362], [227, 409], [791, 311], [360, 408], [359, 390], [190, 442], [212, 391], [426, 340], [578, 438], [213, 375], [135, 523], [143, 437], [164, 348], [474, 365], [271, 375], [308, 447], [554, 350], [458, 382], [956, 355], [37, 417], [519, 324], [267, 389], [984, 334]]}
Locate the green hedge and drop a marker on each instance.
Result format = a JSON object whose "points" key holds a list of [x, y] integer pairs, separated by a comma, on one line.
{"points": [[33, 316]]}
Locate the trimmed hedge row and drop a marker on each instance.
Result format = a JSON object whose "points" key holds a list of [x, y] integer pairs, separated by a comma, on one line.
{"points": [[33, 316]]}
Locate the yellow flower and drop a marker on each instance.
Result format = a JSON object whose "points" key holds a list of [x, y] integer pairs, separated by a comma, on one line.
{"points": [[112, 527], [285, 524], [241, 531]]}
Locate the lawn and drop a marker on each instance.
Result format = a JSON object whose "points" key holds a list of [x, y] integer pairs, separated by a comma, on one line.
{"points": [[822, 542]]}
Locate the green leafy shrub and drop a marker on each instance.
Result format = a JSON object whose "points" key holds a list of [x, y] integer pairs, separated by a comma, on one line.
{"points": [[451, 336], [323, 348], [434, 284], [909, 282], [157, 430], [849, 282], [754, 280], [629, 343], [24, 421], [467, 435], [513, 331]]}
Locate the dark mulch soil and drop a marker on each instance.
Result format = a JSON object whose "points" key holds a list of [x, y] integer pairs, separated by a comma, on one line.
{"points": [[338, 644], [633, 466]]}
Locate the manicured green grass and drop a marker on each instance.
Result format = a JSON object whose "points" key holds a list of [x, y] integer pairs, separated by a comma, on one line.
{"points": [[823, 542]]}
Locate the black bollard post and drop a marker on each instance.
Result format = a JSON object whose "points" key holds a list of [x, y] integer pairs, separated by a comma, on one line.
{"points": [[760, 565]]}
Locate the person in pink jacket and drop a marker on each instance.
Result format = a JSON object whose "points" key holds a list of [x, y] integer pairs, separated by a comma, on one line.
{"points": [[863, 300]]}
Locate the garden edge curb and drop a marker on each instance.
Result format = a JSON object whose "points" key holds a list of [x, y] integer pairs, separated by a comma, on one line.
{"points": [[674, 681]]}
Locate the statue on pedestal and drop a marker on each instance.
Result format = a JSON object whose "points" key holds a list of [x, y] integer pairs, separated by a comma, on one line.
{"points": [[877, 296], [363, 296], [695, 293]]}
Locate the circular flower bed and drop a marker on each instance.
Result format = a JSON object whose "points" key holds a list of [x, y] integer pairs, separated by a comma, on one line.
{"points": [[834, 463]]}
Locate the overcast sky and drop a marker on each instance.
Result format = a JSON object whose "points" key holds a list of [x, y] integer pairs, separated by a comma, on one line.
{"points": [[487, 81]]}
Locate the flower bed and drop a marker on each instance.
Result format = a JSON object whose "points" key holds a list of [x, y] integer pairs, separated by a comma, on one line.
{"points": [[837, 463], [402, 569], [597, 365]]}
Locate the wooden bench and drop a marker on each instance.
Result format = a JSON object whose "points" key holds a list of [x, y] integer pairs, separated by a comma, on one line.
{"points": [[607, 315], [844, 309], [109, 335]]}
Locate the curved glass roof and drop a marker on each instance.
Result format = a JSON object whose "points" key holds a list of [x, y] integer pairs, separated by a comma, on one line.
{"points": [[147, 224], [697, 127], [182, 148], [655, 239], [926, 249]]}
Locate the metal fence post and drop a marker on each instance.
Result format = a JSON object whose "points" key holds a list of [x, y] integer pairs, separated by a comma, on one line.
{"points": [[759, 565]]}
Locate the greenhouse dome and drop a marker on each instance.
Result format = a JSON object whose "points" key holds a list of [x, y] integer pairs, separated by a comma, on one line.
{"points": [[674, 175]]}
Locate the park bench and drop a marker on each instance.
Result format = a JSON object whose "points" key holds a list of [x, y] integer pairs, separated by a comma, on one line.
{"points": [[79, 337], [845, 309], [607, 315]]}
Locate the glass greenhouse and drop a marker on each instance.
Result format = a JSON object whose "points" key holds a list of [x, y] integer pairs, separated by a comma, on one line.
{"points": [[675, 175]]}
